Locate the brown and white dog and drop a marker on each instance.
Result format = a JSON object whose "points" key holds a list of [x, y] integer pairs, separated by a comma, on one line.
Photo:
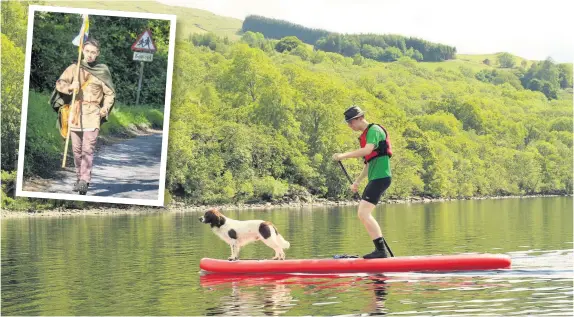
{"points": [[238, 233]]}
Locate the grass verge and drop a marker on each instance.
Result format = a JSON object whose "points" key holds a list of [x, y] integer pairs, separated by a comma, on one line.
{"points": [[45, 147]]}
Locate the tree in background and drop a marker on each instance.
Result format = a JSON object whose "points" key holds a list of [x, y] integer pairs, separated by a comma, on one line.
{"points": [[288, 43], [256, 40], [278, 29], [52, 51], [524, 63], [506, 60], [12, 64], [565, 75], [351, 44], [547, 77]]}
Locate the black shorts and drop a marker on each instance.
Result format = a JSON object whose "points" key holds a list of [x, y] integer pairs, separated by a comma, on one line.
{"points": [[375, 189]]}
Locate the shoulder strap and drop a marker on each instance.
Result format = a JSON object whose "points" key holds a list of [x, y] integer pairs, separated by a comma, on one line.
{"points": [[380, 126], [368, 128], [85, 84]]}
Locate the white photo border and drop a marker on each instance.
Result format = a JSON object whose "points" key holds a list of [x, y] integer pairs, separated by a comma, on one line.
{"points": [[159, 202]]}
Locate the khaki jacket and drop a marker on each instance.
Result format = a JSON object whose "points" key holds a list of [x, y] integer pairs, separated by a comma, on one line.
{"points": [[90, 97]]}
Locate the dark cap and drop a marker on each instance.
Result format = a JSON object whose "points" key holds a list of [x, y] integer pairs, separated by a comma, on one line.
{"points": [[353, 112]]}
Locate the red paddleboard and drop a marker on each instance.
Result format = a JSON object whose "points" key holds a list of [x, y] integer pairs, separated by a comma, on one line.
{"points": [[435, 263]]}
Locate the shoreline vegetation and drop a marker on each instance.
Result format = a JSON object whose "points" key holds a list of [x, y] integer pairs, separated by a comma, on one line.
{"points": [[174, 206]]}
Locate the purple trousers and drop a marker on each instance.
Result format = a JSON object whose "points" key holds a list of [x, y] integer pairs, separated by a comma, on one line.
{"points": [[84, 145]]}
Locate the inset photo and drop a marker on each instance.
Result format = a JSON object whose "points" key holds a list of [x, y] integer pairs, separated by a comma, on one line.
{"points": [[95, 105]]}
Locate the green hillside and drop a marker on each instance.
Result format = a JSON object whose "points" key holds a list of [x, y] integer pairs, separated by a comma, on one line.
{"points": [[479, 58], [189, 20], [259, 120], [473, 61]]}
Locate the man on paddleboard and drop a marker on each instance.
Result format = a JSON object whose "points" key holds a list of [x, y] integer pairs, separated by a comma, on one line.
{"points": [[376, 152]]}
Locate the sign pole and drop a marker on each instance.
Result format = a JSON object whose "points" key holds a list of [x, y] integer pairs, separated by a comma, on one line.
{"points": [[143, 49], [140, 83]]}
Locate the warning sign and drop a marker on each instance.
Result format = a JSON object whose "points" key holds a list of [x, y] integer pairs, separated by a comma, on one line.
{"points": [[144, 43]]}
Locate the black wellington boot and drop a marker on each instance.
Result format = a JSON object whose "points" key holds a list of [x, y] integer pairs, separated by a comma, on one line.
{"points": [[379, 252]]}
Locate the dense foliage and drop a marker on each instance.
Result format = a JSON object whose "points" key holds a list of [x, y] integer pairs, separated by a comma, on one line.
{"points": [[259, 119], [253, 123]]}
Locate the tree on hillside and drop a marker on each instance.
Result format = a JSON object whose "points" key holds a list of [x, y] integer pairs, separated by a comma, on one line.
{"points": [[288, 43], [277, 29], [544, 77], [549, 90], [524, 63], [392, 54], [506, 60], [414, 54], [499, 77], [565, 75], [372, 52], [257, 40], [350, 44]]}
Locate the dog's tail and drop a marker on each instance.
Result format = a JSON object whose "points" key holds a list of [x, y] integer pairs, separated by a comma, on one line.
{"points": [[284, 243]]}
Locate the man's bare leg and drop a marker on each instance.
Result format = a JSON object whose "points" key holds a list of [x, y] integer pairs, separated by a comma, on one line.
{"points": [[373, 229]]}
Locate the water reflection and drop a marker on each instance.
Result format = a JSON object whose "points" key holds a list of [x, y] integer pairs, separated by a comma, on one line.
{"points": [[271, 294], [380, 288], [247, 295]]}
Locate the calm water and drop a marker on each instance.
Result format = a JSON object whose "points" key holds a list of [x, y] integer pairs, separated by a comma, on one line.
{"points": [[149, 264]]}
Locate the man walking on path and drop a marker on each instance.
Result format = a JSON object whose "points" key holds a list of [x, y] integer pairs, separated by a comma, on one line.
{"points": [[376, 151], [94, 101]]}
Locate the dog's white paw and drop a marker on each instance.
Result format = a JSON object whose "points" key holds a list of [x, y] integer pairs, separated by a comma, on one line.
{"points": [[232, 258]]}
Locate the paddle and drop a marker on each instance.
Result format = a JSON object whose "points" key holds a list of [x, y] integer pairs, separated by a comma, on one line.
{"points": [[349, 178], [357, 197]]}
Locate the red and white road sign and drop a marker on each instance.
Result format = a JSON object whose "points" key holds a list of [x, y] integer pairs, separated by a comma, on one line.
{"points": [[144, 43]]}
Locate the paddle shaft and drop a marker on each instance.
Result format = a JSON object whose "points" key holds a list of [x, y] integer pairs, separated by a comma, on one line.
{"points": [[349, 178], [357, 196]]}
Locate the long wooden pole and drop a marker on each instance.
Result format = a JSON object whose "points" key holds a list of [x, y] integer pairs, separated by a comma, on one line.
{"points": [[73, 103]]}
